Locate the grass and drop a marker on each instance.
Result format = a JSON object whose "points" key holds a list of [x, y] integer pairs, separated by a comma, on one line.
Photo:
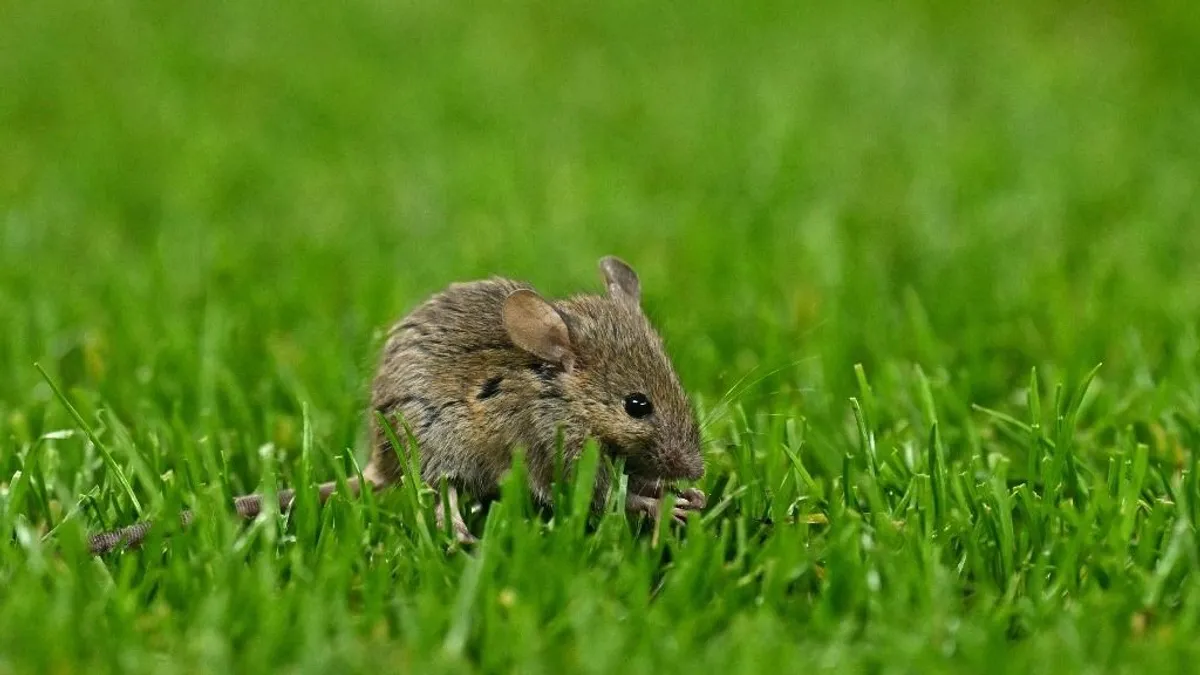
{"points": [[929, 272]]}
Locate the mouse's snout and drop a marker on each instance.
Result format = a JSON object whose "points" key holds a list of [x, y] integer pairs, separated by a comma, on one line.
{"points": [[682, 453], [686, 463]]}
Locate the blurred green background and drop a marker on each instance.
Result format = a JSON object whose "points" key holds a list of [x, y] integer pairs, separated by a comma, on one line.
{"points": [[210, 211], [271, 185]]}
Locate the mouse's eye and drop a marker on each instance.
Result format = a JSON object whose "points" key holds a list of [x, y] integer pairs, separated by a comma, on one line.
{"points": [[637, 405]]}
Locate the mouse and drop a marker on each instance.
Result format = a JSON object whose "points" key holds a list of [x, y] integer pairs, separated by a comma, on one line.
{"points": [[483, 369]]}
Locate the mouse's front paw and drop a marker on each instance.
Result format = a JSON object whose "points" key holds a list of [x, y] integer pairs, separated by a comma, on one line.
{"points": [[652, 506], [691, 499]]}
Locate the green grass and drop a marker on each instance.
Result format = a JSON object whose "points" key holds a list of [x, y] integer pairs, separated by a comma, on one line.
{"points": [[887, 247]]}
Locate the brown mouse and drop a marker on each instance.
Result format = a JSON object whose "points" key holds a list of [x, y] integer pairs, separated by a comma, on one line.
{"points": [[485, 367]]}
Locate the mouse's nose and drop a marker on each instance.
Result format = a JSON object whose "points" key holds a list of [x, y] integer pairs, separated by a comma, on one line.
{"points": [[692, 465]]}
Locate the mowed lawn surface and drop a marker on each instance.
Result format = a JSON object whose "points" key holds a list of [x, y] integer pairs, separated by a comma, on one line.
{"points": [[887, 247]]}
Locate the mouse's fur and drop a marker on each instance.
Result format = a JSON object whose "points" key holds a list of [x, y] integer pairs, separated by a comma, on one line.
{"points": [[483, 368]]}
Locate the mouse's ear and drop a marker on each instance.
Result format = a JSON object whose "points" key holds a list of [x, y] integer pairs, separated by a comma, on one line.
{"points": [[536, 327], [622, 281]]}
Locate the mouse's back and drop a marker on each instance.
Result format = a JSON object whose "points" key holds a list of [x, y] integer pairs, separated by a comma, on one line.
{"points": [[432, 360]]}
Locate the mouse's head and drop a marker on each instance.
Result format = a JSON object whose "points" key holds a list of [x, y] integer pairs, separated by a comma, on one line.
{"points": [[608, 365]]}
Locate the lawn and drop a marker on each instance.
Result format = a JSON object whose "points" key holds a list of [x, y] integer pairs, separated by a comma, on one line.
{"points": [[931, 274]]}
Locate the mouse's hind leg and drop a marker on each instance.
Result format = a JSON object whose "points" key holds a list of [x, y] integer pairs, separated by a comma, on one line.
{"points": [[461, 534]]}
